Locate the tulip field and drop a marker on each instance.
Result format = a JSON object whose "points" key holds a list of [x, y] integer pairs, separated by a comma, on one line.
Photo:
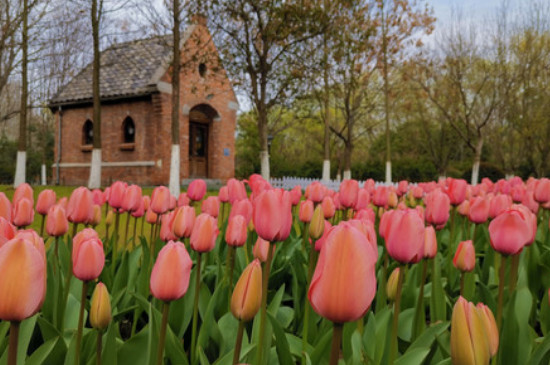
{"points": [[412, 273]]}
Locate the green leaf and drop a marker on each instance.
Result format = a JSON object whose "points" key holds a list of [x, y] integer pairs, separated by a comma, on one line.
{"points": [[437, 299], [283, 350], [415, 356], [541, 354], [322, 350], [109, 353], [40, 355]]}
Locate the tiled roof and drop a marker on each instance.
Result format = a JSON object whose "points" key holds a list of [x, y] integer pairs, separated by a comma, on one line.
{"points": [[127, 69]]}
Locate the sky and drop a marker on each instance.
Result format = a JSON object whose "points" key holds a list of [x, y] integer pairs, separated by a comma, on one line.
{"points": [[478, 10]]}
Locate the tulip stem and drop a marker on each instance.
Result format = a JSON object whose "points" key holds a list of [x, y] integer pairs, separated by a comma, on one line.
{"points": [[229, 271], [514, 273], [501, 277], [14, 339], [128, 217], [56, 254], [336, 341], [396, 310], [134, 235], [306, 302], [115, 242], [42, 225], [80, 322], [238, 344], [263, 313], [196, 310], [418, 326], [98, 347], [462, 280], [162, 337]]}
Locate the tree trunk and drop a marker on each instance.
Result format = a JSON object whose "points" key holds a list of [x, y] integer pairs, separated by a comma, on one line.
{"points": [[386, 98], [477, 161], [174, 183], [22, 147], [94, 181], [326, 102], [347, 160], [264, 150]]}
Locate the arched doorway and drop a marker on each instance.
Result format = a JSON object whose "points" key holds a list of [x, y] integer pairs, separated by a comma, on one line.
{"points": [[200, 122]]}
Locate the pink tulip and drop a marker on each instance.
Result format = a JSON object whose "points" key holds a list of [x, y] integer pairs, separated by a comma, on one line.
{"points": [[437, 208], [5, 207], [242, 207], [88, 258], [23, 191], [170, 275], [315, 192], [116, 194], [319, 243], [166, 227], [98, 197], [211, 206], [46, 199], [363, 200], [404, 235], [465, 256], [205, 232], [7, 231], [344, 283], [430, 242], [236, 190], [183, 200], [80, 208], [261, 249], [499, 204], [23, 213], [329, 209], [542, 190], [295, 195], [509, 232], [380, 197], [56, 221], [367, 213], [160, 200], [140, 210], [236, 232], [132, 198], [150, 216], [349, 190], [306, 211], [479, 210], [196, 190], [184, 220], [529, 201], [456, 190], [272, 215], [223, 194]]}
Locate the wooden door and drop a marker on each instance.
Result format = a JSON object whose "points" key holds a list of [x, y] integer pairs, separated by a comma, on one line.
{"points": [[198, 150]]}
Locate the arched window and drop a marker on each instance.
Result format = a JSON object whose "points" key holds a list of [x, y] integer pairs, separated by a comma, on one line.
{"points": [[88, 133], [128, 131]]}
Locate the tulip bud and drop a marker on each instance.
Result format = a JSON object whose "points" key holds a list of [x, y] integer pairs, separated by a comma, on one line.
{"points": [[109, 217], [184, 220], [306, 211], [23, 213], [349, 190], [88, 258], [170, 275], [247, 295], [223, 194], [46, 199], [490, 327], [196, 190], [211, 206], [465, 256], [430, 242], [100, 307], [329, 209], [79, 208], [205, 231], [236, 190], [23, 191], [391, 286], [272, 215], [469, 337], [317, 224], [160, 200], [261, 249]]}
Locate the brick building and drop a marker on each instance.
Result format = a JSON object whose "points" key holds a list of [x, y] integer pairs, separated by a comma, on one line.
{"points": [[135, 86]]}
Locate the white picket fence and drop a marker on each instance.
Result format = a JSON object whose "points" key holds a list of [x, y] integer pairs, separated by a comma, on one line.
{"points": [[289, 182]]}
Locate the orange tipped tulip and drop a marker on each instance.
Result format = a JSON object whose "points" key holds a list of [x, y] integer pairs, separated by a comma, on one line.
{"points": [[184, 220], [56, 221], [23, 213], [170, 275], [306, 211], [465, 256], [88, 258], [100, 307], [46, 199], [490, 327], [205, 231], [469, 337], [344, 282], [247, 295], [236, 232], [150, 216], [23, 279]]}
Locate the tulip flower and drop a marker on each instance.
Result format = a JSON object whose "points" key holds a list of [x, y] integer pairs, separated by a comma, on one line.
{"points": [[196, 190], [98, 197], [131, 198], [272, 215], [437, 208], [160, 200], [465, 256], [295, 195], [244, 208], [349, 190], [391, 285], [23, 213], [88, 258], [247, 295], [499, 204], [184, 220], [479, 210], [329, 209], [456, 190], [236, 232], [7, 231], [116, 194], [80, 208], [211, 206], [223, 194], [430, 242], [170, 281], [261, 249], [380, 197], [182, 200], [542, 190], [469, 336], [306, 211], [5, 207], [236, 190], [404, 235], [205, 231], [246, 300], [464, 208], [315, 192], [96, 216], [56, 221], [166, 227], [100, 307], [491, 328], [363, 200], [509, 232], [23, 191], [344, 282], [317, 224], [392, 199], [46, 199]]}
